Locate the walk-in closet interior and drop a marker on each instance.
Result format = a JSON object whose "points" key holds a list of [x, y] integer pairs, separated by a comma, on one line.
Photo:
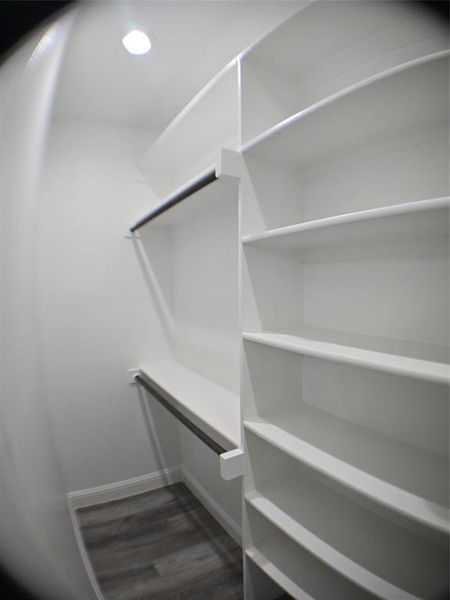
{"points": [[225, 272]]}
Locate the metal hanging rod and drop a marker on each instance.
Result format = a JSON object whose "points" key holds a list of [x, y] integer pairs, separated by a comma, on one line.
{"points": [[166, 400], [190, 189]]}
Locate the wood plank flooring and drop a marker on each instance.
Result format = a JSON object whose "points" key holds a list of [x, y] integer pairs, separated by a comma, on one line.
{"points": [[161, 545]]}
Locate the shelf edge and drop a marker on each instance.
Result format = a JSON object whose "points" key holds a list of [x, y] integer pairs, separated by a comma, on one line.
{"points": [[329, 556], [406, 208], [224, 439], [317, 106], [425, 370], [360, 481], [276, 574]]}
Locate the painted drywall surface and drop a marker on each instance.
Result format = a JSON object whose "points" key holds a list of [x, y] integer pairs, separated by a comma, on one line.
{"points": [[97, 311], [192, 41], [37, 545], [205, 265], [202, 465], [99, 318]]}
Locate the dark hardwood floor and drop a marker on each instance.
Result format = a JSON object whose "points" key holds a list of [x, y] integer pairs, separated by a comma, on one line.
{"points": [[161, 545]]}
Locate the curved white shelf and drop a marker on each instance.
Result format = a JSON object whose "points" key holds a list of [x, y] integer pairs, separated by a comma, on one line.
{"points": [[326, 47], [410, 97], [277, 575], [191, 142], [338, 515], [420, 218], [297, 571], [381, 361], [211, 407], [400, 477]]}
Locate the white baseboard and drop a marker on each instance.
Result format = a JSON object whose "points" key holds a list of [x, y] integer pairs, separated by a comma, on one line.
{"points": [[123, 489], [229, 524]]}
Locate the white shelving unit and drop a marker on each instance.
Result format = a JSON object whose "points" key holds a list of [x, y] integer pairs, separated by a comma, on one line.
{"points": [[325, 48], [372, 107], [336, 530], [326, 160], [305, 295], [369, 464], [293, 568], [345, 301]]}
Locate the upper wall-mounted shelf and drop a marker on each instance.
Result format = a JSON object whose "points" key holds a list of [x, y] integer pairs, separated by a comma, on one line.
{"points": [[414, 219], [326, 47], [427, 370], [192, 142], [407, 99], [209, 406]]}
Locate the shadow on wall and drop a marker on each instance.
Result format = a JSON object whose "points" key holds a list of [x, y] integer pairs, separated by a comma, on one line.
{"points": [[150, 412]]}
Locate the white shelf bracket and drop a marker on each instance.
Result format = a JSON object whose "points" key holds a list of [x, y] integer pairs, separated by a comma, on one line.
{"points": [[232, 464], [229, 163], [130, 235]]}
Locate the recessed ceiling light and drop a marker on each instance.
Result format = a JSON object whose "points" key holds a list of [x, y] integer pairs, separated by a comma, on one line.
{"points": [[136, 42]]}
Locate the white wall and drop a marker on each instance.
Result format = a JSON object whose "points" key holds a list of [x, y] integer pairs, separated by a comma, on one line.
{"points": [[97, 314], [37, 545], [200, 469], [98, 318]]}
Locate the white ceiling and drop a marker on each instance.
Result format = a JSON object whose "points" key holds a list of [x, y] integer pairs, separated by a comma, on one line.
{"points": [[192, 41]]}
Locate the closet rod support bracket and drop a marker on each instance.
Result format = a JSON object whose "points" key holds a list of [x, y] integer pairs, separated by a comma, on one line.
{"points": [[127, 234], [132, 374]]}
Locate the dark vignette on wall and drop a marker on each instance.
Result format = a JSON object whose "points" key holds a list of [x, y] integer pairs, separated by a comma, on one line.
{"points": [[10, 589], [17, 19]]}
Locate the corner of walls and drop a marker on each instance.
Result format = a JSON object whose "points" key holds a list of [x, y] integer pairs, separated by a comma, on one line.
{"points": [[97, 309]]}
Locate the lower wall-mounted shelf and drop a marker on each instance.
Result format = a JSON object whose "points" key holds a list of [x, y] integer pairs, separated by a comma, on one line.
{"points": [[335, 530], [306, 577], [209, 406], [407, 480], [277, 575], [298, 572]]}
